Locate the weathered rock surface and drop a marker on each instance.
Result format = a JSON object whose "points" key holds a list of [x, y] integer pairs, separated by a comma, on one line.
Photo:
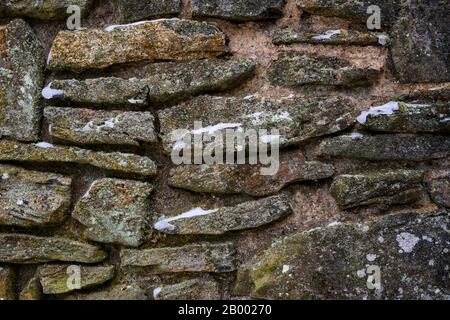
{"points": [[21, 77], [87, 126], [41, 9], [439, 187], [115, 211], [135, 10], [421, 42], [116, 292], [195, 289], [26, 249], [204, 257], [32, 198], [166, 39], [341, 261], [299, 68], [400, 117], [238, 10], [440, 93], [354, 10], [383, 188], [386, 147], [32, 290], [44, 152], [247, 215], [297, 119], [7, 279], [333, 37], [247, 179], [56, 279]]}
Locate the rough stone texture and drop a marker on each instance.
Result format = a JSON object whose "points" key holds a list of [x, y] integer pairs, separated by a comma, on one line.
{"points": [[421, 42], [202, 257], [55, 279], [44, 152], [25, 249], [195, 289], [386, 147], [247, 179], [384, 188], [248, 215], [41, 9], [296, 118], [336, 262], [240, 10], [135, 10], [87, 126], [353, 9], [32, 198], [440, 93], [7, 288], [32, 290], [116, 292], [332, 37], [115, 211], [439, 187], [167, 39], [299, 68], [21, 76]]}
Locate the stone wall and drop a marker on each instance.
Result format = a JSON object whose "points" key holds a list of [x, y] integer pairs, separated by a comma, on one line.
{"points": [[88, 188]]}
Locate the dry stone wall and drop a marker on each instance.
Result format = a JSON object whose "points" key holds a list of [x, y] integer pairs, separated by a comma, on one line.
{"points": [[92, 206]]}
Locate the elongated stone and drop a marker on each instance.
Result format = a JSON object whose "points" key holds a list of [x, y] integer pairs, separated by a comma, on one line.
{"points": [[247, 215], [32, 290], [358, 261], [21, 77], [384, 188], [134, 10], [44, 152], [116, 292], [26, 249], [333, 37], [166, 39], [7, 279], [386, 147], [238, 10], [248, 179], [86, 126], [299, 68], [41, 9], [115, 211], [440, 93], [190, 258], [438, 183], [400, 117], [57, 279], [297, 119], [195, 289], [32, 198]]}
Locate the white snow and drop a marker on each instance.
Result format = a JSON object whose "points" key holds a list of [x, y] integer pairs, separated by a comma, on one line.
{"points": [[49, 93], [121, 26], [20, 202], [136, 101], [156, 292], [49, 57], [268, 138], [164, 224], [407, 241], [44, 145], [386, 109], [356, 135], [327, 35], [334, 224], [382, 39], [371, 257], [217, 127], [285, 268], [5, 176], [445, 120]]}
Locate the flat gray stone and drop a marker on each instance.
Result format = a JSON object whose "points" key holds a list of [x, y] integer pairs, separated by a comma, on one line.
{"points": [[41, 9], [135, 10]]}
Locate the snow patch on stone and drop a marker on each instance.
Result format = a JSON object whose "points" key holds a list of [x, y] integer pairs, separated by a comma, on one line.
{"points": [[49, 93], [386, 109], [156, 292], [124, 26], [44, 145], [165, 224], [327, 35]]}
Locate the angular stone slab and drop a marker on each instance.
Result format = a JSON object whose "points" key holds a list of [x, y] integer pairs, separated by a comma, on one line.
{"points": [[421, 42], [115, 211], [56, 278], [41, 9], [238, 10], [410, 252], [44, 152], [116, 292], [383, 188], [21, 77], [247, 179], [440, 93], [203, 257], [166, 39], [400, 117], [87, 126], [195, 289], [32, 290], [296, 118], [299, 68], [135, 10], [438, 183], [27, 249], [32, 198], [353, 10], [386, 147], [332, 37], [7, 279], [247, 215]]}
